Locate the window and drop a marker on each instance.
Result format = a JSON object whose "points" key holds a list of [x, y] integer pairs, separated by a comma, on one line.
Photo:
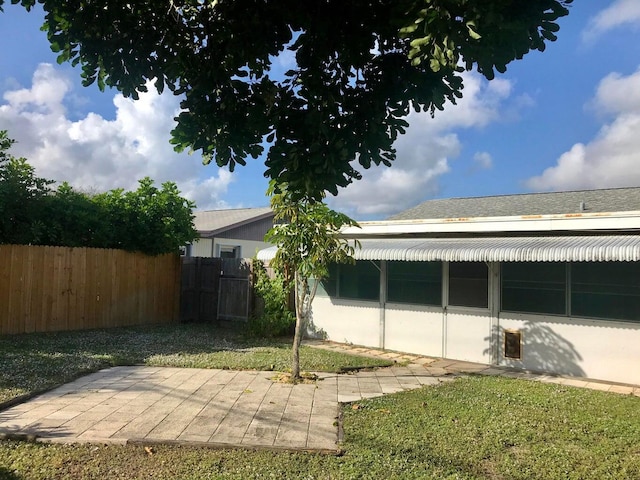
{"points": [[415, 282], [356, 282], [328, 287], [227, 251], [360, 281], [469, 284], [534, 287], [606, 290]]}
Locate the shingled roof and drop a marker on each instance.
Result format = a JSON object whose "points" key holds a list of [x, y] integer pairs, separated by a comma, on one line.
{"points": [[217, 221], [582, 201]]}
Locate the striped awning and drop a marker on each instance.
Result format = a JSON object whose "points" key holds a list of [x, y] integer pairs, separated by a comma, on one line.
{"points": [[497, 249]]}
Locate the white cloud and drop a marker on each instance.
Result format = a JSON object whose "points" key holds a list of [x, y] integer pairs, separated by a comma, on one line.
{"points": [[96, 154], [483, 160], [611, 159], [618, 13], [424, 153], [617, 94]]}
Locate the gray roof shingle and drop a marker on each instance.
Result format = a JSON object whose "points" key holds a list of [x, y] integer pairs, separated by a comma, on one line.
{"points": [[594, 201], [216, 221]]}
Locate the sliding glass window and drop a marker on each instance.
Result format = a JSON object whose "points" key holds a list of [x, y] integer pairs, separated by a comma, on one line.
{"points": [[356, 282], [606, 290], [417, 283], [534, 287], [469, 284]]}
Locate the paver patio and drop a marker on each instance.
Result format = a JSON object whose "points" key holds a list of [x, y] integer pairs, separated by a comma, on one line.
{"points": [[219, 408]]}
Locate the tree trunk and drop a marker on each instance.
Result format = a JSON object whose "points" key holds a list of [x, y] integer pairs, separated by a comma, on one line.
{"points": [[295, 357], [297, 337]]}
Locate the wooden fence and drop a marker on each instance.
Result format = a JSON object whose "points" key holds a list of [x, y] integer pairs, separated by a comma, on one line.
{"points": [[46, 289], [216, 289], [199, 289]]}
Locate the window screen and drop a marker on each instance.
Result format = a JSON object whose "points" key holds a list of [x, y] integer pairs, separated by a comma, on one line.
{"points": [[534, 287], [360, 281], [328, 287], [414, 282], [469, 284], [606, 290]]}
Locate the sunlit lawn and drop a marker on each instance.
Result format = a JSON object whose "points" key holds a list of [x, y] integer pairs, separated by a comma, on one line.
{"points": [[33, 362], [474, 427]]}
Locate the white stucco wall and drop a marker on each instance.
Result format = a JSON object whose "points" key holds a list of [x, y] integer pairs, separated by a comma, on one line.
{"points": [[599, 349], [467, 335], [413, 329], [202, 247], [347, 321]]}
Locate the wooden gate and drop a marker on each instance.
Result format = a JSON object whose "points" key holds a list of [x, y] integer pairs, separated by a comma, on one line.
{"points": [[215, 289], [234, 295], [199, 289]]}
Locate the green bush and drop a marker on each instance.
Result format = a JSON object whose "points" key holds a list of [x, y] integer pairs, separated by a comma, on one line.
{"points": [[149, 219], [274, 318]]}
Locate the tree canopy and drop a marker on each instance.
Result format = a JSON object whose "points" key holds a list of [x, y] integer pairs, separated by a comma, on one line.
{"points": [[358, 68]]}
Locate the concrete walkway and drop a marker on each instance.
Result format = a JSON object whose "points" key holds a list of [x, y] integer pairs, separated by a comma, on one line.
{"points": [[226, 408]]}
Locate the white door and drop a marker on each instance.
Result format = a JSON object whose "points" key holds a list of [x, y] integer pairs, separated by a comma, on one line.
{"points": [[467, 322]]}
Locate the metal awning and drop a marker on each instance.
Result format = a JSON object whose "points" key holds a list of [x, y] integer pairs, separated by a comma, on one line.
{"points": [[497, 249]]}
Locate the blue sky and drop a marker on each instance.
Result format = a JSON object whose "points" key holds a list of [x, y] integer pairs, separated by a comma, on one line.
{"points": [[565, 119]]}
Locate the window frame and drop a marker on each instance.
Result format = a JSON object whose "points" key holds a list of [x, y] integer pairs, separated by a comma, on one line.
{"points": [[389, 299], [453, 306], [566, 292], [334, 288]]}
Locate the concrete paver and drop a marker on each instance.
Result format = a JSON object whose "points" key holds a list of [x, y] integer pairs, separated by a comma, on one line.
{"points": [[236, 408]]}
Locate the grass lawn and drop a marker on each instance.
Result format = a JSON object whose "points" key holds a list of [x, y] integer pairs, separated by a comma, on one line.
{"points": [[34, 362], [474, 427]]}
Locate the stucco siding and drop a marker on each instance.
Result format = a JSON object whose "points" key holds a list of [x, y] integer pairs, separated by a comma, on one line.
{"points": [[202, 247], [348, 321], [413, 329], [599, 349], [467, 336]]}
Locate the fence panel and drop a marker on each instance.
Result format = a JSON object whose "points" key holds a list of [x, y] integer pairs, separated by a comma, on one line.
{"points": [[235, 293], [199, 291], [233, 298], [59, 288]]}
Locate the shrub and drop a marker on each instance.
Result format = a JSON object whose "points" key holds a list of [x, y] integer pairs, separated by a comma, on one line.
{"points": [[274, 318]]}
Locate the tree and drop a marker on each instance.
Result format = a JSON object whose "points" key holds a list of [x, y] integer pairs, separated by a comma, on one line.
{"points": [[360, 67], [150, 220], [21, 195], [307, 243]]}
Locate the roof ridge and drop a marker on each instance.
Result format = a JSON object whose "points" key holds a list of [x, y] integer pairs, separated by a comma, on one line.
{"points": [[532, 193], [231, 209]]}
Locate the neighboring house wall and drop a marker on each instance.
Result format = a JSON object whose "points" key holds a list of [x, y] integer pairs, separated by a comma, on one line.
{"points": [[202, 247], [253, 231], [246, 248], [225, 233], [565, 344]]}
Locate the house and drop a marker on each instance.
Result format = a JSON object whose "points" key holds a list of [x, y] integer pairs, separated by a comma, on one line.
{"points": [[231, 233], [545, 282]]}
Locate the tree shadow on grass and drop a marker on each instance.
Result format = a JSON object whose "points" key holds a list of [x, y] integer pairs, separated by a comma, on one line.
{"points": [[31, 363], [6, 474]]}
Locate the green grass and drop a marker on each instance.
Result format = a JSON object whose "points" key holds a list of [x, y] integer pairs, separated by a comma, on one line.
{"points": [[472, 428], [34, 362]]}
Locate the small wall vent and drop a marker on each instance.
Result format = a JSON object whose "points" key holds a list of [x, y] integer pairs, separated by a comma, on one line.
{"points": [[513, 344]]}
